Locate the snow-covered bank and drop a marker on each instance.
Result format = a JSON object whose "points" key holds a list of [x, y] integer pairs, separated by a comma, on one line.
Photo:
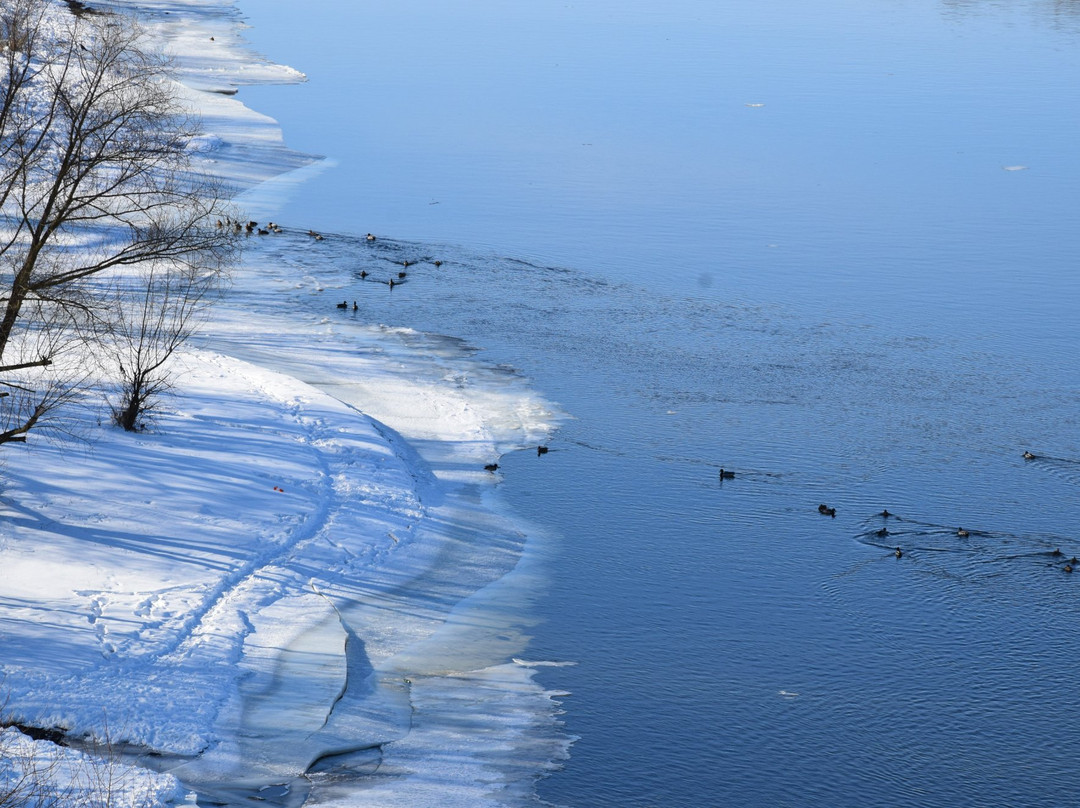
{"points": [[272, 592], [202, 591], [144, 559], [37, 773]]}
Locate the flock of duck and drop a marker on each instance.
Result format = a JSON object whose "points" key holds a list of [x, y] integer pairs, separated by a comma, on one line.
{"points": [[249, 227], [825, 510], [253, 228]]}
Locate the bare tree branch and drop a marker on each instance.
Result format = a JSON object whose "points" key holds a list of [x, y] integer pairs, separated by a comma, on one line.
{"points": [[41, 363], [153, 316]]}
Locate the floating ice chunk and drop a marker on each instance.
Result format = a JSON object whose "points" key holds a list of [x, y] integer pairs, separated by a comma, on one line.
{"points": [[540, 664]]}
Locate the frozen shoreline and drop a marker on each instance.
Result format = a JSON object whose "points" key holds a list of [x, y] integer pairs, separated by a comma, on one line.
{"points": [[270, 577]]}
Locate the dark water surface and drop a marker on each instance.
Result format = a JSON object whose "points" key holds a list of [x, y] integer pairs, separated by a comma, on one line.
{"points": [[863, 293], [734, 646]]}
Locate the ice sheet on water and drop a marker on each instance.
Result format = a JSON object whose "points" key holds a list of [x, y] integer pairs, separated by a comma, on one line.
{"points": [[477, 739]]}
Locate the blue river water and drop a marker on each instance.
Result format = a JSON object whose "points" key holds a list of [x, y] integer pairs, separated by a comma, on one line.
{"points": [[830, 247]]}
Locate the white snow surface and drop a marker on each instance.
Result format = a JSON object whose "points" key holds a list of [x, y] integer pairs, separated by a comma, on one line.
{"points": [[40, 774], [301, 558]]}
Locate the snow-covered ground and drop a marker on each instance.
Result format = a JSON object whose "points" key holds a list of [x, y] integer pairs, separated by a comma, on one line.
{"points": [[300, 574]]}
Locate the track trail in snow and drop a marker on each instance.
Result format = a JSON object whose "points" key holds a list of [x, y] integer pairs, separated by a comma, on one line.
{"points": [[330, 625], [285, 635]]}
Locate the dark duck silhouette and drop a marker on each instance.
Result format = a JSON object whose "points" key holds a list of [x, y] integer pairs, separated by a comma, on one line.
{"points": [[727, 475]]}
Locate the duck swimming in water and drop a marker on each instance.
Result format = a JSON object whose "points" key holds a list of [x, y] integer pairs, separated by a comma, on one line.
{"points": [[899, 553], [727, 475], [963, 534]]}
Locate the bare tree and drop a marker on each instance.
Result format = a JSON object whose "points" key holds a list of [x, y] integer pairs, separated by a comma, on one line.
{"points": [[95, 177], [154, 314]]}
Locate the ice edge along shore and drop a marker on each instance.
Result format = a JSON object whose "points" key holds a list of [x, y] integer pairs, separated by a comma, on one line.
{"points": [[215, 589]]}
